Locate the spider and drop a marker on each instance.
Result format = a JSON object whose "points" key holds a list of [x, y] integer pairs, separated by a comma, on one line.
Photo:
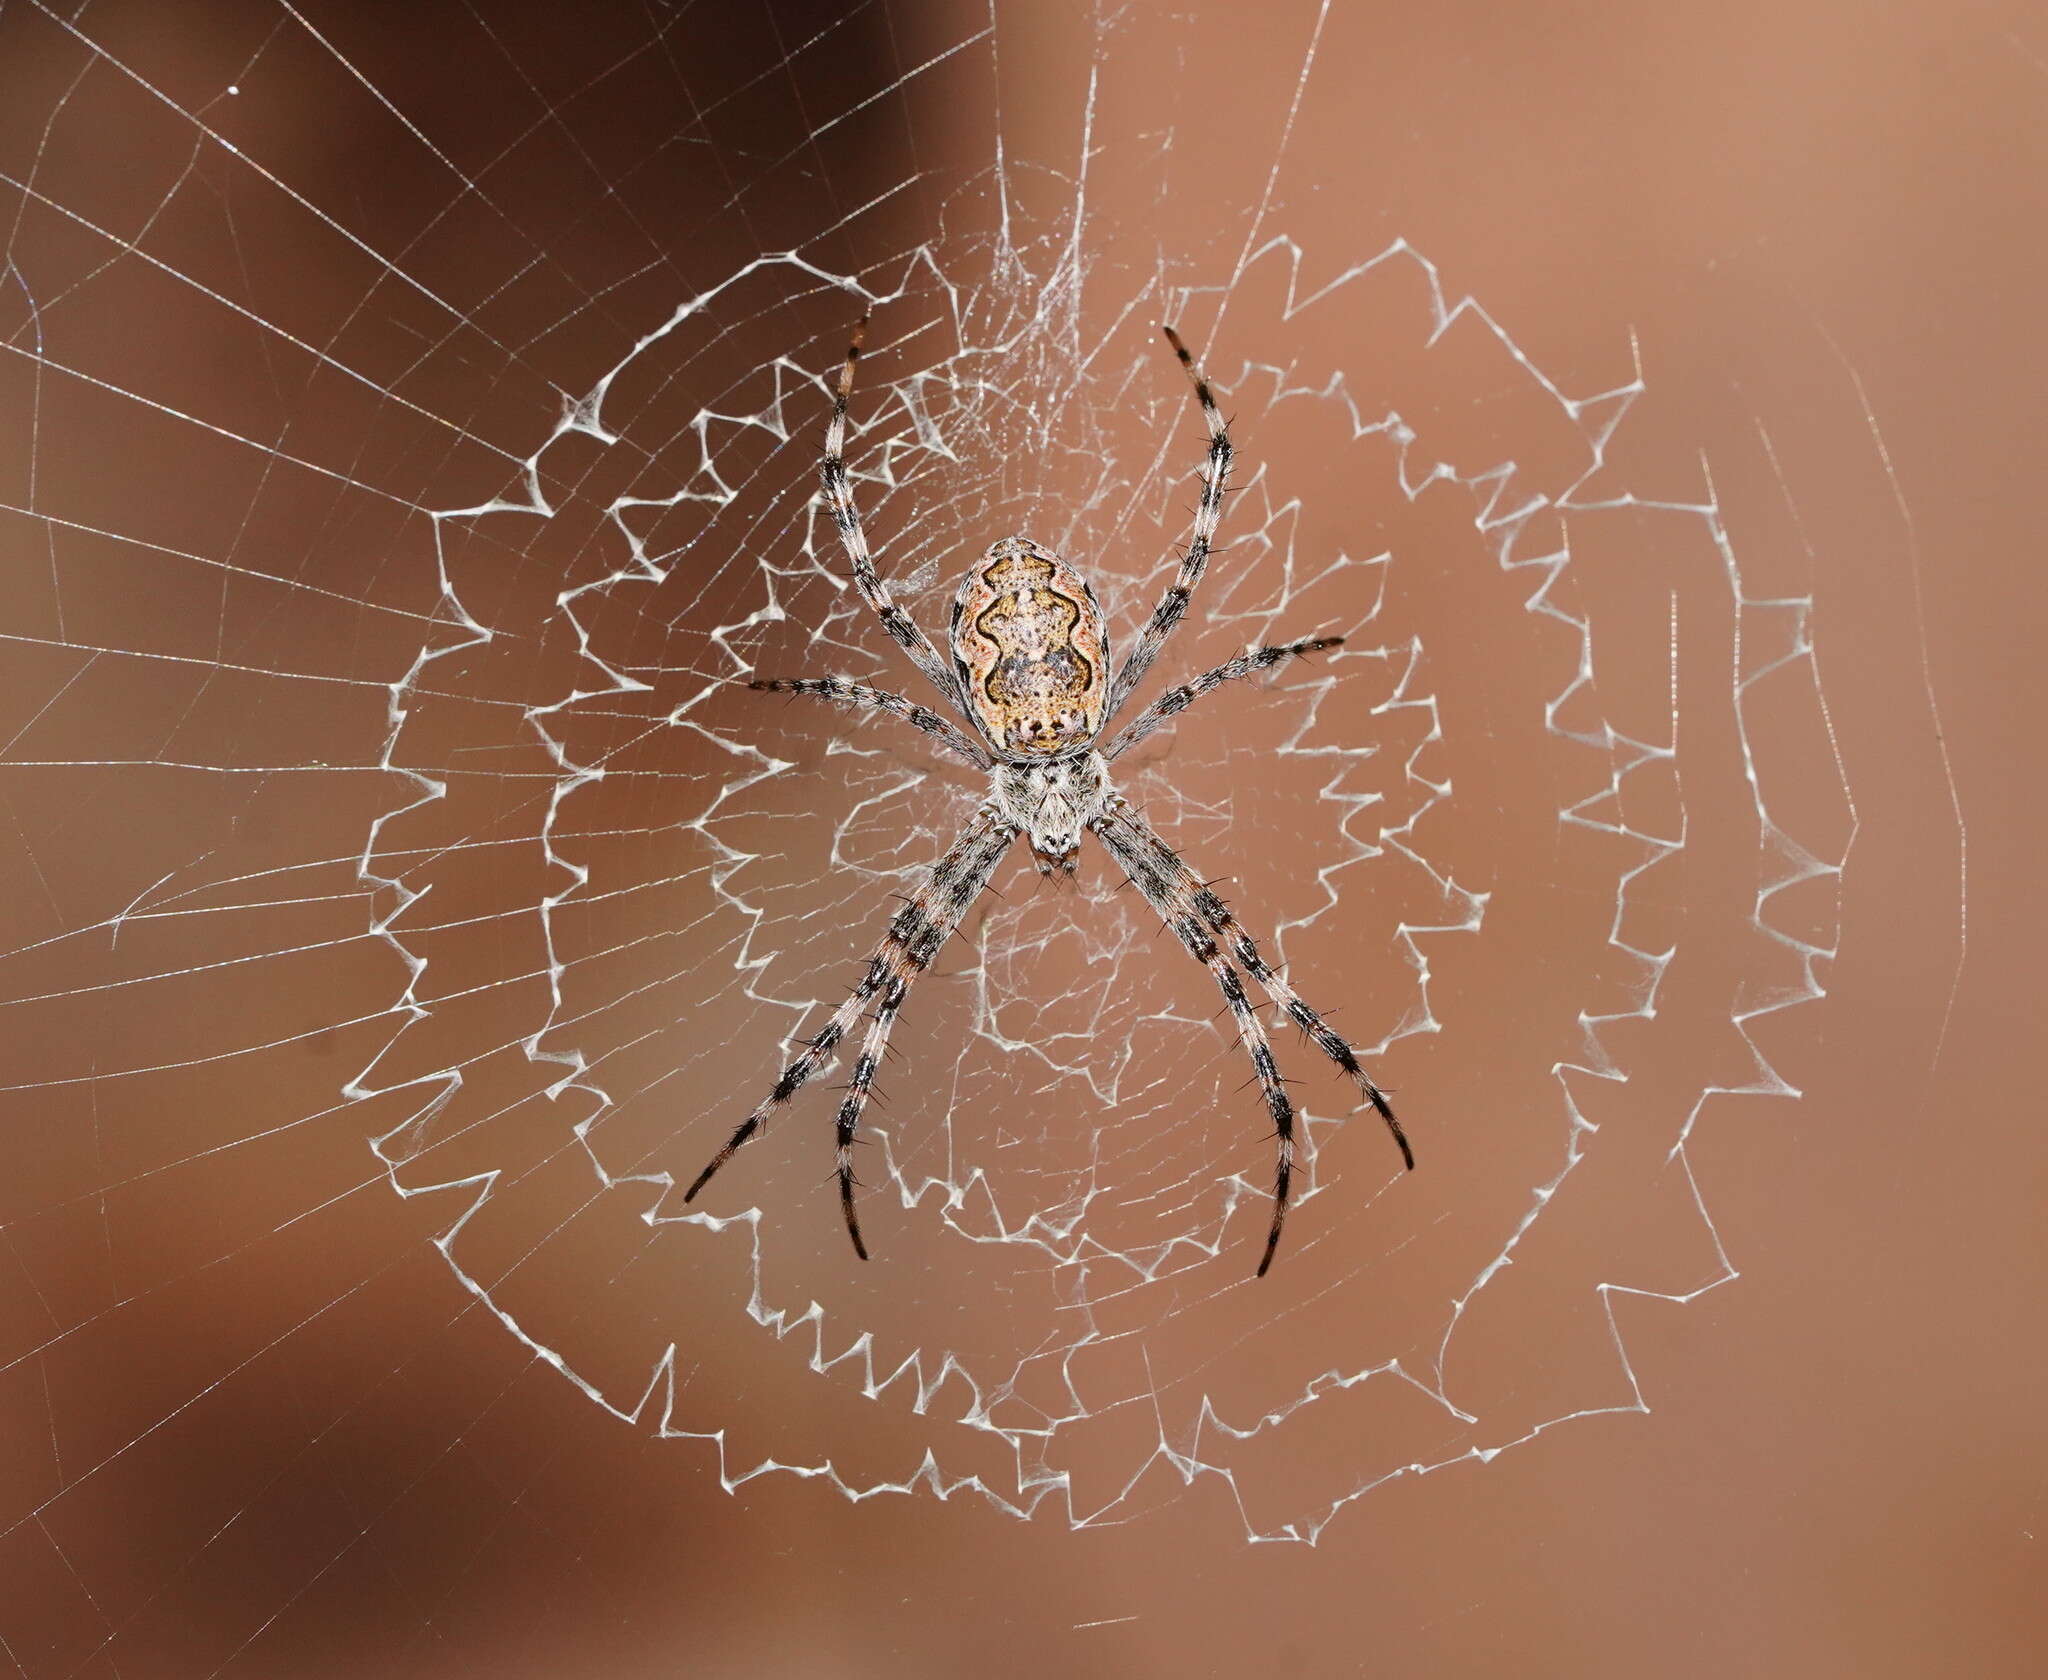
{"points": [[1029, 676]]}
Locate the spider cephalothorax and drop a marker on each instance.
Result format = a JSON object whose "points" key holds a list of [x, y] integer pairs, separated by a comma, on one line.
{"points": [[1030, 675], [1052, 800]]}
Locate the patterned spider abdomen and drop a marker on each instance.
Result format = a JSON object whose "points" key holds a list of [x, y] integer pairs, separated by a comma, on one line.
{"points": [[1032, 652]]}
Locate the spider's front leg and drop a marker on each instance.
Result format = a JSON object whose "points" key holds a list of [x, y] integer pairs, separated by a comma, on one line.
{"points": [[1192, 896], [924, 924], [1156, 883]]}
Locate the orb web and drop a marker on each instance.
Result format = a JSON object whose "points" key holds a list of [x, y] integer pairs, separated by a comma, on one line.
{"points": [[1471, 855]]}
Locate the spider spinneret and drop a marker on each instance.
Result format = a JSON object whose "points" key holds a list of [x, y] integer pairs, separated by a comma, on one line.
{"points": [[1030, 674]]}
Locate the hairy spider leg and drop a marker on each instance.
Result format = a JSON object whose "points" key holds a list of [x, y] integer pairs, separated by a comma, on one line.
{"points": [[846, 515], [1143, 867], [1176, 700], [1215, 469], [860, 696], [1192, 896], [924, 923]]}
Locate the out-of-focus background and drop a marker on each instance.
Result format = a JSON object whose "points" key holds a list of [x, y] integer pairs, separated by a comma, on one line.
{"points": [[411, 421]]}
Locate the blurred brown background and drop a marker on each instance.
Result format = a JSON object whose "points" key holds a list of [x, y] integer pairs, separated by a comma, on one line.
{"points": [[281, 280]]}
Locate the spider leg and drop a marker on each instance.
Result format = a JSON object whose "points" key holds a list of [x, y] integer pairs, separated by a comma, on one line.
{"points": [[925, 922], [1176, 700], [1215, 468], [902, 628], [1192, 896], [855, 1102], [1148, 876], [879, 699]]}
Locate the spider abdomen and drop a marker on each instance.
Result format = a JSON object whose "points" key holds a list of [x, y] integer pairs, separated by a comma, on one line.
{"points": [[1031, 649]]}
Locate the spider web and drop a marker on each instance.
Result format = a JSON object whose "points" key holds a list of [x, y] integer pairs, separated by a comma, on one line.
{"points": [[392, 820]]}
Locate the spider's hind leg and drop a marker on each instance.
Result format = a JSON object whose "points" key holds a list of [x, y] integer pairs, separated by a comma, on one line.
{"points": [[902, 629], [860, 696], [1173, 605]]}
